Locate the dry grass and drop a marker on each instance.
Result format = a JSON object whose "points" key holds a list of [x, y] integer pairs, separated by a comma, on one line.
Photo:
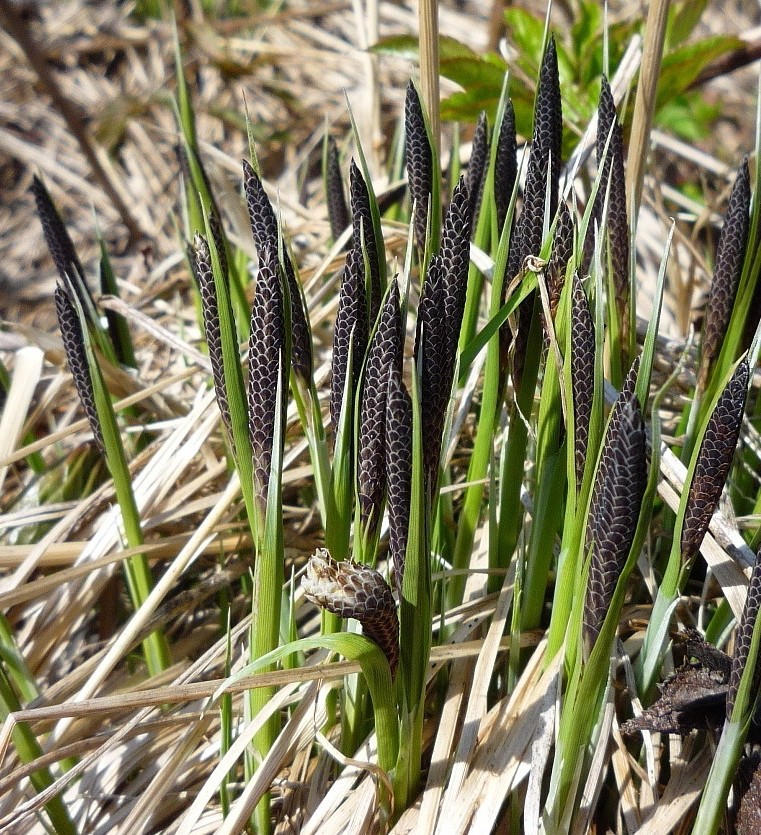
{"points": [[147, 750]]}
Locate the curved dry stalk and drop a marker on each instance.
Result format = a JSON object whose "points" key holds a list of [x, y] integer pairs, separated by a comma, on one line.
{"points": [[352, 590]]}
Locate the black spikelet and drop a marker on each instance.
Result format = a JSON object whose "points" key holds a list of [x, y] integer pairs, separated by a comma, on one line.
{"points": [[614, 508], [714, 460], [398, 471], [385, 350], [350, 318], [268, 367], [419, 161], [730, 254], [562, 252], [582, 373], [338, 211], [76, 356], [362, 223], [743, 640], [210, 310], [265, 231], [505, 165], [455, 258], [479, 159]]}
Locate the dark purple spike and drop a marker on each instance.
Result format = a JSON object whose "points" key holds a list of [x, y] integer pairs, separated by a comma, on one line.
{"points": [[614, 508], [398, 471], [479, 160], [362, 223], [562, 252], [505, 165], [268, 367], [338, 211], [730, 254], [76, 356], [455, 260], [582, 373], [419, 161], [385, 351], [351, 318], [714, 460], [265, 231], [210, 310], [743, 639]]}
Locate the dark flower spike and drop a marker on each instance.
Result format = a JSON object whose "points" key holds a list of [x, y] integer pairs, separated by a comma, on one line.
{"points": [[614, 508], [727, 271], [60, 245], [338, 211], [352, 590], [351, 318], [210, 310], [76, 356], [713, 461], [362, 223], [264, 228], [419, 161], [505, 165], [479, 159], [543, 169], [433, 349], [398, 471], [562, 252], [455, 259], [743, 639], [268, 367], [384, 352], [582, 373]]}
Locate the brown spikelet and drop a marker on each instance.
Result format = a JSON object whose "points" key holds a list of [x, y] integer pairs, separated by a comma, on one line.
{"points": [[582, 373], [714, 459], [351, 318], [385, 350], [614, 508], [268, 367], [362, 223], [60, 245], [265, 231], [419, 161], [338, 211], [562, 252], [210, 310], [76, 356], [543, 168], [727, 271], [479, 159], [455, 258], [352, 590], [505, 165], [743, 639], [398, 471]]}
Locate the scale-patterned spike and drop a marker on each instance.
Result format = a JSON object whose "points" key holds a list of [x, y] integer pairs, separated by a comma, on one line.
{"points": [[362, 224], [614, 508], [562, 252], [419, 161], [352, 590], [265, 232], [398, 471], [730, 254], [505, 165], [338, 211], [385, 350], [76, 356], [743, 639], [479, 159], [268, 366], [582, 373], [714, 460], [210, 310], [455, 260], [350, 318]]}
